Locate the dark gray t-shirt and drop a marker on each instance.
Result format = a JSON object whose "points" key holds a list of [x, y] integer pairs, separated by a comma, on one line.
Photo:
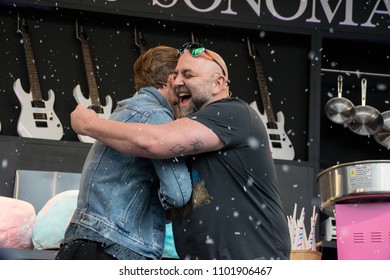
{"points": [[235, 211]]}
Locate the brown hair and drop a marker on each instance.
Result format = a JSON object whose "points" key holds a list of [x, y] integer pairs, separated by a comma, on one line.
{"points": [[153, 67]]}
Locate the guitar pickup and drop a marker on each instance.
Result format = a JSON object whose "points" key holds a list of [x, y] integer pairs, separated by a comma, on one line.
{"points": [[41, 124], [276, 145], [97, 109], [40, 116], [37, 104], [274, 137], [272, 125]]}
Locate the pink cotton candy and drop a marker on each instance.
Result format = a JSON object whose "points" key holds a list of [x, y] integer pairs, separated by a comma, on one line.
{"points": [[17, 219]]}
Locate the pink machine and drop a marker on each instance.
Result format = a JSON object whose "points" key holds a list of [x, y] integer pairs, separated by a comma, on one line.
{"points": [[357, 195], [363, 231]]}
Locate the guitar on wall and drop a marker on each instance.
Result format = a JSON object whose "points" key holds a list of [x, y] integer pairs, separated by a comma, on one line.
{"points": [[37, 118], [280, 144], [139, 40], [93, 101]]}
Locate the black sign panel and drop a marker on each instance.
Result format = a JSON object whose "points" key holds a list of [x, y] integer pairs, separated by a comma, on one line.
{"points": [[372, 16]]}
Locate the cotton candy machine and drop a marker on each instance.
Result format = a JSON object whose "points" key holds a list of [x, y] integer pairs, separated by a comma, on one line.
{"points": [[357, 194], [360, 181]]}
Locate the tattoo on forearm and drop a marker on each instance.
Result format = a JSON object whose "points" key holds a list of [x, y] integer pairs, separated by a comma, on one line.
{"points": [[179, 149], [197, 146]]}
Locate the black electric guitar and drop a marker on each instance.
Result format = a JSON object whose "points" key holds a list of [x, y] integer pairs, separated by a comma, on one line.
{"points": [[280, 144], [139, 40], [194, 37], [93, 101], [37, 118]]}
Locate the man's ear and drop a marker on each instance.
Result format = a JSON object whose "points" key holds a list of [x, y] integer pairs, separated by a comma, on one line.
{"points": [[219, 83]]}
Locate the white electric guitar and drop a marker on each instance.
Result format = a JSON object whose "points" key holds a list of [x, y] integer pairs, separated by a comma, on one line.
{"points": [[280, 144], [37, 118], [93, 101]]}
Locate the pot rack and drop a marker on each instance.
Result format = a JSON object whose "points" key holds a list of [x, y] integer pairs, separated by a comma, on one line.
{"points": [[355, 72]]}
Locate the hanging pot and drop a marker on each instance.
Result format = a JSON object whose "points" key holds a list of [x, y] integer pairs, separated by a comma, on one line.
{"points": [[367, 120], [383, 136], [340, 110]]}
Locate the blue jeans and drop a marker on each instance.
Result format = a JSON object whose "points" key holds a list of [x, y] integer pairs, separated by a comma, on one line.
{"points": [[83, 249]]}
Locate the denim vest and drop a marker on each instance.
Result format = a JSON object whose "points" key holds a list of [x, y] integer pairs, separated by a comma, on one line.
{"points": [[123, 198]]}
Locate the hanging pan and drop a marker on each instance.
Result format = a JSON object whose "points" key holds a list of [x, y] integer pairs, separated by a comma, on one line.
{"points": [[340, 110], [367, 120], [383, 136]]}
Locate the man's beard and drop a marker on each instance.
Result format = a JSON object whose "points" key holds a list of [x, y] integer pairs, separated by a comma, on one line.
{"points": [[195, 105], [185, 111]]}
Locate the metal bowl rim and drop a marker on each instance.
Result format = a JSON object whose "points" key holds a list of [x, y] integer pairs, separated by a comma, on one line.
{"points": [[350, 164]]}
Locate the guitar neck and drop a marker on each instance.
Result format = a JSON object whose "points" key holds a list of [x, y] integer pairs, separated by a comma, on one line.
{"points": [[265, 96], [31, 68], [139, 40], [142, 48], [92, 85]]}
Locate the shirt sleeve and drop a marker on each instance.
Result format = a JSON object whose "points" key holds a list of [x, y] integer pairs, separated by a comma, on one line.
{"points": [[225, 119]]}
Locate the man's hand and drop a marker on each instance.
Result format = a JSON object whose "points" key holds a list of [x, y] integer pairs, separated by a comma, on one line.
{"points": [[81, 118]]}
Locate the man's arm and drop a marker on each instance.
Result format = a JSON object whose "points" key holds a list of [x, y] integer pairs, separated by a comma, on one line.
{"points": [[175, 182], [180, 137]]}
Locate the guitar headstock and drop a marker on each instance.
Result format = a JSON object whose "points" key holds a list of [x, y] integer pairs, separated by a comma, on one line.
{"points": [[139, 40], [80, 31], [194, 37], [251, 48], [21, 25]]}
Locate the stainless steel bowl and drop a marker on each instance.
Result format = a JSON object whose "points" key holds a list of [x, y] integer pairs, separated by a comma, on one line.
{"points": [[355, 182]]}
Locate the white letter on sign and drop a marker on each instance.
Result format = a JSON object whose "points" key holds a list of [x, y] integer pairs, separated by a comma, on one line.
{"points": [[301, 10], [155, 2]]}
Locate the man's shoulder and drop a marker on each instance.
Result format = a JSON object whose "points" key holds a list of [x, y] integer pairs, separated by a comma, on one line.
{"points": [[224, 105]]}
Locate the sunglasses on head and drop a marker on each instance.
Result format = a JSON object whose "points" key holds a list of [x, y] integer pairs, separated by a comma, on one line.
{"points": [[196, 49]]}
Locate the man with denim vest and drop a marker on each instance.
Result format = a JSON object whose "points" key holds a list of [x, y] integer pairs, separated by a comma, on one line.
{"points": [[123, 199]]}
